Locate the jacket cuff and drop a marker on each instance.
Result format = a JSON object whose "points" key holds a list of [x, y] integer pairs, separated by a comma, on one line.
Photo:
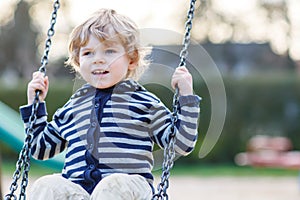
{"points": [[26, 111], [191, 100]]}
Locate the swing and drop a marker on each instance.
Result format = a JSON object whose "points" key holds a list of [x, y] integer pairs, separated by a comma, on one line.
{"points": [[23, 162]]}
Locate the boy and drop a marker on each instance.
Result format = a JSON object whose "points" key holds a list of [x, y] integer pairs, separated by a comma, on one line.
{"points": [[109, 126]]}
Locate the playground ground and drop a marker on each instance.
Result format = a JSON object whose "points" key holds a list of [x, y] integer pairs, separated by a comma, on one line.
{"points": [[224, 188]]}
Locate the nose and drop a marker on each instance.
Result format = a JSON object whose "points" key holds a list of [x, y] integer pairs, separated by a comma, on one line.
{"points": [[99, 58]]}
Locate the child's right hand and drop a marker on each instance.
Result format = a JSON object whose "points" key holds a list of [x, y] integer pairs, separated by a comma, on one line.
{"points": [[38, 82]]}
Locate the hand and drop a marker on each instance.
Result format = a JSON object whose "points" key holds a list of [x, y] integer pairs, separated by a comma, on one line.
{"points": [[38, 82], [183, 80]]}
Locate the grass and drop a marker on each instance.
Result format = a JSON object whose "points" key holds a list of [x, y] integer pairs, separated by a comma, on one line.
{"points": [[8, 168], [196, 170], [229, 170]]}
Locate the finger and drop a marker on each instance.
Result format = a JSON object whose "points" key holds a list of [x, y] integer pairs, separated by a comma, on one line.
{"points": [[37, 74], [182, 72], [46, 82], [40, 79], [36, 86], [182, 68], [39, 82], [174, 81]]}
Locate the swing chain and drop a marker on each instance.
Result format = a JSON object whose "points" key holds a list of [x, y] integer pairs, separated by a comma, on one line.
{"points": [[24, 159], [50, 33], [23, 163], [169, 154], [169, 150], [187, 36]]}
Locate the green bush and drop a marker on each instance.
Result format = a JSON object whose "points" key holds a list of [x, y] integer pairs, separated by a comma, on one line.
{"points": [[255, 105]]}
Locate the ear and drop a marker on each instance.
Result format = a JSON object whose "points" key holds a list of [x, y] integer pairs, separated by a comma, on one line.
{"points": [[133, 61], [132, 65]]}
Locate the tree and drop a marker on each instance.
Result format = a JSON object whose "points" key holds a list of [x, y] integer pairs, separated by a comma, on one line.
{"points": [[18, 41], [22, 40], [261, 21]]}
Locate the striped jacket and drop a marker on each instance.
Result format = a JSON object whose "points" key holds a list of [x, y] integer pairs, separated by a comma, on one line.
{"points": [[133, 119]]}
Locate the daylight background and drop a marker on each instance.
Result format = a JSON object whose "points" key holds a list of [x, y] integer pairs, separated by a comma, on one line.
{"points": [[255, 45]]}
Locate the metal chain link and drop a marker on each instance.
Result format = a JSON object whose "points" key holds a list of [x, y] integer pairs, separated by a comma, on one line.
{"points": [[50, 33], [169, 154], [187, 36], [169, 150], [23, 163]]}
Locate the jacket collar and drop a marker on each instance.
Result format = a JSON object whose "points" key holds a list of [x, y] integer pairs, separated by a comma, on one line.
{"points": [[127, 85]]}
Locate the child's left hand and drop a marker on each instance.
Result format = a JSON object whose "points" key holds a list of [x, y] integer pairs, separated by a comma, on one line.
{"points": [[183, 80]]}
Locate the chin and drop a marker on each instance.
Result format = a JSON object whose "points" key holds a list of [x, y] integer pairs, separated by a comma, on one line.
{"points": [[103, 86]]}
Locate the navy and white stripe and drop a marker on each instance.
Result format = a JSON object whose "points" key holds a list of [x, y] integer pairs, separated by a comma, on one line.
{"points": [[133, 119]]}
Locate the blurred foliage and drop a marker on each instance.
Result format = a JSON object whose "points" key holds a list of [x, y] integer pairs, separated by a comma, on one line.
{"points": [[213, 23], [218, 22], [262, 104]]}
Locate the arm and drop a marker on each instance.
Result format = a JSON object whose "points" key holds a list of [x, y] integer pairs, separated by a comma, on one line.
{"points": [[188, 113], [189, 110], [46, 140]]}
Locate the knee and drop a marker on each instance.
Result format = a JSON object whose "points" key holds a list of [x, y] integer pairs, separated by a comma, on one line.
{"points": [[42, 188], [45, 181], [114, 181], [56, 187], [112, 187], [122, 186]]}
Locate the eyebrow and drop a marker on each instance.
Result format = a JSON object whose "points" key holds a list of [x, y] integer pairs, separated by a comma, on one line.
{"points": [[111, 42], [107, 42], [85, 48]]}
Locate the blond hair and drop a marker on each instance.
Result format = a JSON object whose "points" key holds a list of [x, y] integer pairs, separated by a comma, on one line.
{"points": [[102, 24]]}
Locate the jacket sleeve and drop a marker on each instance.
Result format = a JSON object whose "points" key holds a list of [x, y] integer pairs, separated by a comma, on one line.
{"points": [[185, 127], [47, 141]]}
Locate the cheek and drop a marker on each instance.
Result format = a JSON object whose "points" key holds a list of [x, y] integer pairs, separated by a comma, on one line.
{"points": [[81, 72], [82, 62], [82, 67], [122, 61]]}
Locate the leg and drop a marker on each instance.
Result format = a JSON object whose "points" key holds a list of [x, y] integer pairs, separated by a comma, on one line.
{"points": [[55, 187], [122, 187]]}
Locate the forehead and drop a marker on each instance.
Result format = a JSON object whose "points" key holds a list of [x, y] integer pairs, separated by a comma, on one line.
{"points": [[109, 41]]}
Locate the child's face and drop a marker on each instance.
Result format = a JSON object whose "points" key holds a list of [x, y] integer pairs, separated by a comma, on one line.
{"points": [[104, 64]]}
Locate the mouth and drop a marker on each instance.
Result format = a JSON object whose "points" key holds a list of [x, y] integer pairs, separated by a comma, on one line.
{"points": [[99, 72]]}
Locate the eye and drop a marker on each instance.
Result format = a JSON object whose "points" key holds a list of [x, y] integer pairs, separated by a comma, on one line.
{"points": [[86, 53], [110, 51]]}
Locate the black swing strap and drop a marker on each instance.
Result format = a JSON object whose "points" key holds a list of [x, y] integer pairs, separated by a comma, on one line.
{"points": [[23, 163], [169, 150]]}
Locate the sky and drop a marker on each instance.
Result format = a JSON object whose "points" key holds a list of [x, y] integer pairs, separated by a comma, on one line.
{"points": [[167, 14], [154, 13]]}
